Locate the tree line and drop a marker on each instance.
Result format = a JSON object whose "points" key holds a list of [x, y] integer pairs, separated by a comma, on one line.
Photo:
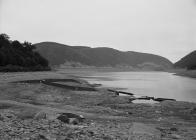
{"points": [[17, 56]]}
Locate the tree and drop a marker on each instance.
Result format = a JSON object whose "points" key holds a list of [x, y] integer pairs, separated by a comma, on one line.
{"points": [[16, 56], [28, 46], [4, 37], [4, 40], [16, 44]]}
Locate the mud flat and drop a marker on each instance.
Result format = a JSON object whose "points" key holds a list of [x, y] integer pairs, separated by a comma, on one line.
{"points": [[30, 110]]}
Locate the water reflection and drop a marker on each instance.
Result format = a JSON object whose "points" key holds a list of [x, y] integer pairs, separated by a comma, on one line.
{"points": [[156, 84]]}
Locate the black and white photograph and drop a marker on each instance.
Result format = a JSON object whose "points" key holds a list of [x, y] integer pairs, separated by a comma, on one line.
{"points": [[97, 69]]}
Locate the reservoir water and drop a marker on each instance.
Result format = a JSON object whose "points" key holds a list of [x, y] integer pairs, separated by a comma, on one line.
{"points": [[156, 84]]}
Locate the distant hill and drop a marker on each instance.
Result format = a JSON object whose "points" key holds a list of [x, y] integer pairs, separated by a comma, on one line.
{"points": [[189, 61], [58, 54]]}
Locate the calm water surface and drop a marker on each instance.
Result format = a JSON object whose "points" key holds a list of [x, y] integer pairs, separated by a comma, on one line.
{"points": [[157, 84]]}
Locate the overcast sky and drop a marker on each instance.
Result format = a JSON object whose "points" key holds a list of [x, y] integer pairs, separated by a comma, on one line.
{"points": [[163, 27]]}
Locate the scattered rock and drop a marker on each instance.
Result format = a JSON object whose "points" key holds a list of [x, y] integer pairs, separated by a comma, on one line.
{"points": [[91, 133], [175, 136], [63, 118], [158, 112], [1, 118], [129, 113], [193, 110], [160, 119], [173, 129], [74, 121], [6, 115], [42, 137]]}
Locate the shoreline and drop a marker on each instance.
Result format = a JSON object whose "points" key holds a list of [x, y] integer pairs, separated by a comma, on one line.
{"points": [[187, 73], [107, 116]]}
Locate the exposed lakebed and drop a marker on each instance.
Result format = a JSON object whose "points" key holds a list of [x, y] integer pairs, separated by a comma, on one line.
{"points": [[31, 103]]}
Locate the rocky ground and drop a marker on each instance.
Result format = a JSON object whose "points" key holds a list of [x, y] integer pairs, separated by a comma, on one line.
{"points": [[32, 110]]}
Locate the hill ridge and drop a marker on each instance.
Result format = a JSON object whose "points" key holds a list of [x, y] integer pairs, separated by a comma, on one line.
{"points": [[187, 61], [58, 54]]}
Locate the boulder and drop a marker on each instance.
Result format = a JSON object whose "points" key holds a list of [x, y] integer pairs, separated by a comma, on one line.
{"points": [[74, 121], [70, 118], [63, 118]]}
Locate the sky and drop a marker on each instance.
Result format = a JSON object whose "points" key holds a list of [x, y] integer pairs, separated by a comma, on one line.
{"points": [[162, 27]]}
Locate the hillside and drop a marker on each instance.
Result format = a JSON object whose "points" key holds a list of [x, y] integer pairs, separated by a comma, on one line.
{"points": [[189, 61], [16, 56], [58, 54]]}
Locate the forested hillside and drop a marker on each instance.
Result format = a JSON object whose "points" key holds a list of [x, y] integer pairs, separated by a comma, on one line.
{"points": [[16, 56], [100, 57], [188, 62]]}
